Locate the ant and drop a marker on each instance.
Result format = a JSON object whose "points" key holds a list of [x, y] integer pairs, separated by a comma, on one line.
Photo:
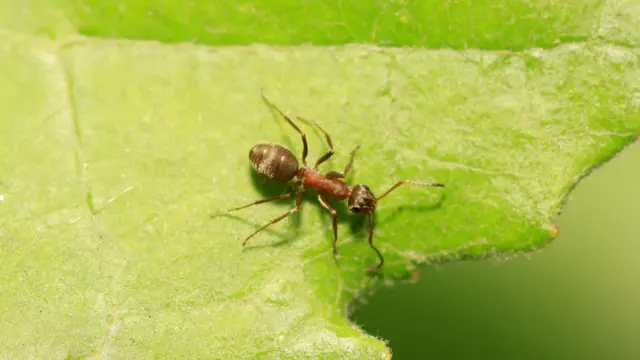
{"points": [[276, 162]]}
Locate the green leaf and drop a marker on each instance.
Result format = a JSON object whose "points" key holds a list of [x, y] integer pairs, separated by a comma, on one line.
{"points": [[114, 153]]}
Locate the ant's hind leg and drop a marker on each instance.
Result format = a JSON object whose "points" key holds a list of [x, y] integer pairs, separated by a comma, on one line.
{"points": [[296, 208], [226, 211], [305, 148], [258, 202], [334, 214]]}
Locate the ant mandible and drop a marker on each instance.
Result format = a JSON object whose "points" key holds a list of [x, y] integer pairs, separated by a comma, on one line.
{"points": [[276, 162]]}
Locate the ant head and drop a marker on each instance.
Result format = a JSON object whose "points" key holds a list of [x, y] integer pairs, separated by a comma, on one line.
{"points": [[362, 200]]}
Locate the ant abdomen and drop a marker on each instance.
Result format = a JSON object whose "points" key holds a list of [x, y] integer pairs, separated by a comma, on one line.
{"points": [[274, 161]]}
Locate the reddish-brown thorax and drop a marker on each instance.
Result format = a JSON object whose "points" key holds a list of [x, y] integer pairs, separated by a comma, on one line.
{"points": [[333, 188]]}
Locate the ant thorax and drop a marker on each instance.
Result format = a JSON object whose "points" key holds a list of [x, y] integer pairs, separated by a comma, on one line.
{"points": [[305, 171]]}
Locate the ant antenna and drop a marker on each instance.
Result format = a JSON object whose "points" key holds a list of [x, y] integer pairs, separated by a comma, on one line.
{"points": [[412, 182]]}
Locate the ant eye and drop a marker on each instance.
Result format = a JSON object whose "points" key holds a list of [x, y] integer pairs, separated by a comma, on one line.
{"points": [[355, 209]]}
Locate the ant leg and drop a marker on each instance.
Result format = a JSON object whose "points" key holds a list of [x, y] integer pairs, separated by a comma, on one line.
{"points": [[226, 211], [305, 149], [350, 163], [334, 214], [337, 175], [296, 208], [412, 182], [326, 156], [379, 265], [262, 201]]}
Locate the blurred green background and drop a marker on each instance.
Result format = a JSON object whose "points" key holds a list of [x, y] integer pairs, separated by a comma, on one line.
{"points": [[579, 298]]}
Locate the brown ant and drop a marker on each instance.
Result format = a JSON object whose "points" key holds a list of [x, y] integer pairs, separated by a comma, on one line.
{"points": [[276, 162]]}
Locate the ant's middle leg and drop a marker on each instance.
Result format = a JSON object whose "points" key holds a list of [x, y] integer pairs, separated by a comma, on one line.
{"points": [[350, 163], [342, 175], [334, 214], [305, 148]]}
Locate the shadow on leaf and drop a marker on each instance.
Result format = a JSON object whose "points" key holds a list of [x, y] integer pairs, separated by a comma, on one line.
{"points": [[414, 208], [269, 188]]}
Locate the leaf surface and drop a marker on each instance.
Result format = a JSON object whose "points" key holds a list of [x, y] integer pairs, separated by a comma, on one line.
{"points": [[114, 152]]}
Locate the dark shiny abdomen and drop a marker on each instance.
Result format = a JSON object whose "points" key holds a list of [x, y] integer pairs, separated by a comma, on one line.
{"points": [[274, 161]]}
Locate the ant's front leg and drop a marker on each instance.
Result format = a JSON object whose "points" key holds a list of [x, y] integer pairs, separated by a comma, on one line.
{"points": [[334, 214], [342, 175]]}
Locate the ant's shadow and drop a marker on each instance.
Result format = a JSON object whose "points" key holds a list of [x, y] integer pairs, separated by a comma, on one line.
{"points": [[359, 224], [269, 188], [416, 208]]}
